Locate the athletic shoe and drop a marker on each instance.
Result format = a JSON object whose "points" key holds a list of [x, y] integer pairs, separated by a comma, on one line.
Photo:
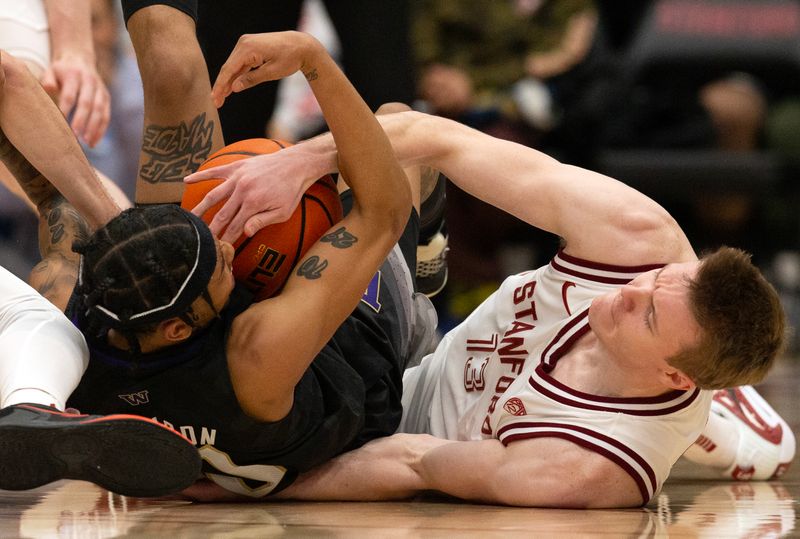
{"points": [[766, 443], [432, 265], [126, 454]]}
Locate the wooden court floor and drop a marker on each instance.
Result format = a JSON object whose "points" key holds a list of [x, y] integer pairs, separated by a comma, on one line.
{"points": [[688, 506]]}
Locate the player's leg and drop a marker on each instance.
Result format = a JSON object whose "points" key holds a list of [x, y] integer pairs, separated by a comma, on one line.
{"points": [[428, 189], [42, 354], [744, 438], [372, 32], [181, 124]]}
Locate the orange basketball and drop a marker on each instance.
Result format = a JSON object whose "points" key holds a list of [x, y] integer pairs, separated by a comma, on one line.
{"points": [[263, 263]]}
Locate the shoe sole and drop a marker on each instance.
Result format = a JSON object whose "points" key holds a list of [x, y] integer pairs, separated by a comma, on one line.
{"points": [[124, 455]]}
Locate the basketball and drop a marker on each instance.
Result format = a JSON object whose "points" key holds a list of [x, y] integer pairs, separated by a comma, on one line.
{"points": [[263, 263]]}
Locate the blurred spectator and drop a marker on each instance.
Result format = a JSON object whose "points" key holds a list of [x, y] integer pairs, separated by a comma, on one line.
{"points": [[501, 66]]}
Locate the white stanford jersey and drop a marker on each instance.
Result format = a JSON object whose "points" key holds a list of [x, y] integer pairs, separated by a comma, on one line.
{"points": [[489, 378]]}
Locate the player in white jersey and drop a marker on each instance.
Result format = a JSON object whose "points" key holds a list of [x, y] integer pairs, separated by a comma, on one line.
{"points": [[493, 378], [576, 385]]}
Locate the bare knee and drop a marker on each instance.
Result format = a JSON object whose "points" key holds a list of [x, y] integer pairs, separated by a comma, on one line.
{"points": [[12, 69], [168, 53], [390, 108]]}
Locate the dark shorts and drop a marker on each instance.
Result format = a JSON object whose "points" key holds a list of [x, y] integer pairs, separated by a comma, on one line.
{"points": [[129, 7]]}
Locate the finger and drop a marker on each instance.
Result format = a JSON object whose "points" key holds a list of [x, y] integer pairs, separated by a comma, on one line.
{"points": [[235, 227], [49, 82], [68, 94], [247, 222], [234, 66], [217, 194], [253, 77], [224, 216], [259, 221], [83, 106], [213, 173], [99, 118]]}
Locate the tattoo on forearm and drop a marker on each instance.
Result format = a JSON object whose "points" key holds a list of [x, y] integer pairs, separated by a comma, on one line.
{"points": [[56, 226], [339, 238], [173, 152], [36, 186], [312, 267], [60, 225], [311, 75], [64, 227], [54, 278]]}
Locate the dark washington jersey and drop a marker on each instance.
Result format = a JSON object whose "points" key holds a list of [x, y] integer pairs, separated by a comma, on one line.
{"points": [[350, 394]]}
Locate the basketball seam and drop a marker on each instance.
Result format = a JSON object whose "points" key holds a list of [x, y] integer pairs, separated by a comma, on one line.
{"points": [[323, 206]]}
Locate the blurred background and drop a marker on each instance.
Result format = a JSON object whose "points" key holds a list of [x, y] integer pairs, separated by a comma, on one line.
{"points": [[694, 102]]}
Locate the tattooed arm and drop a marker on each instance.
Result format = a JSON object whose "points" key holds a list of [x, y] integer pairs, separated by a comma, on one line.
{"points": [[266, 357], [33, 125], [59, 226]]}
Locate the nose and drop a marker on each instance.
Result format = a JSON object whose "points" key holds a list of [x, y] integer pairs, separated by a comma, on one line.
{"points": [[632, 295]]}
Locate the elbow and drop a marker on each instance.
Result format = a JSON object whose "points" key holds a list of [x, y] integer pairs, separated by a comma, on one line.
{"points": [[12, 70]]}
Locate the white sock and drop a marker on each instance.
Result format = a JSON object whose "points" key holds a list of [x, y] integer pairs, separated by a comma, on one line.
{"points": [[717, 445], [42, 354]]}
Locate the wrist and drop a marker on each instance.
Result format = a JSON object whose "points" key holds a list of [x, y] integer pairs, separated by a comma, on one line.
{"points": [[319, 154]]}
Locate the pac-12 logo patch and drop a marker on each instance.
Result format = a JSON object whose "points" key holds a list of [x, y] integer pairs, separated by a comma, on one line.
{"points": [[514, 406]]}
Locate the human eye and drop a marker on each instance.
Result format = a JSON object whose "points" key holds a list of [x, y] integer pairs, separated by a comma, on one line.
{"points": [[647, 315]]}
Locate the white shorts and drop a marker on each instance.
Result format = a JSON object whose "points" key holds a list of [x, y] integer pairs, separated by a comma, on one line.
{"points": [[35, 332], [24, 30]]}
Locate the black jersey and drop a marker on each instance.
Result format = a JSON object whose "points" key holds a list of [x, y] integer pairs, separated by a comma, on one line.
{"points": [[350, 394]]}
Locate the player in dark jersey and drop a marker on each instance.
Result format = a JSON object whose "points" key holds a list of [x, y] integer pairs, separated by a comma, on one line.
{"points": [[273, 388]]}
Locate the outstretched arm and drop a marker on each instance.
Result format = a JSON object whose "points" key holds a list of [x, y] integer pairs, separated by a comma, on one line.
{"points": [[72, 76], [35, 128], [265, 357], [38, 148], [545, 472], [600, 218]]}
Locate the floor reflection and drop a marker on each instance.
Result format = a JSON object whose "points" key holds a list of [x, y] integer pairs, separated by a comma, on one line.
{"points": [[684, 509]]}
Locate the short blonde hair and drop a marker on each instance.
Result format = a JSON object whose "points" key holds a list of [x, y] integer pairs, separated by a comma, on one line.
{"points": [[742, 321]]}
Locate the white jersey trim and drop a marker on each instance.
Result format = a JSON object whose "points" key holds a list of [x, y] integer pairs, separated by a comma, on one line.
{"points": [[622, 455], [668, 403], [596, 272], [565, 338]]}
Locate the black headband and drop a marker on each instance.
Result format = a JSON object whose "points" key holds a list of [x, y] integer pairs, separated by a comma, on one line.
{"points": [[193, 285]]}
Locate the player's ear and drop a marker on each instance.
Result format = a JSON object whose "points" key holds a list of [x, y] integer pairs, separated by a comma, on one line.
{"points": [[677, 379], [175, 330]]}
